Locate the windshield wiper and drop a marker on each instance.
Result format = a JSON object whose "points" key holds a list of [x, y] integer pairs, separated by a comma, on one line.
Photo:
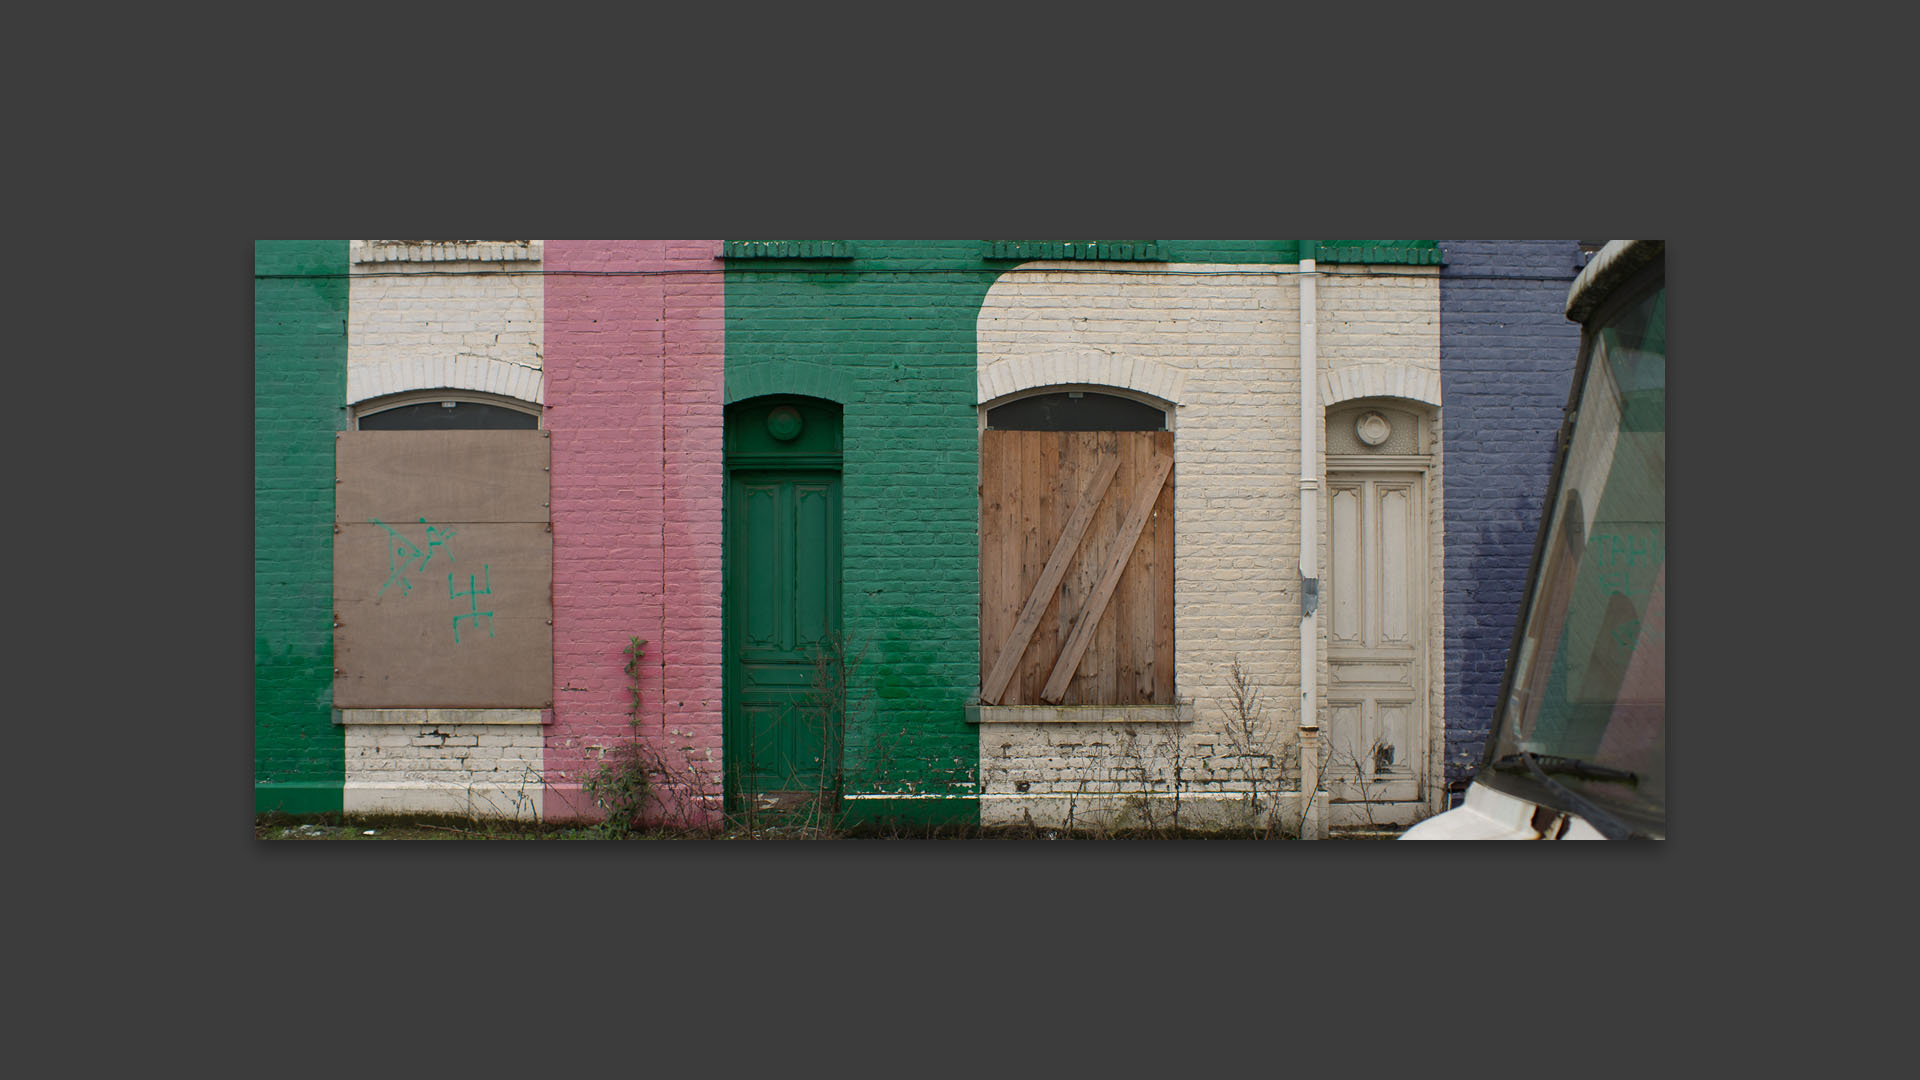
{"points": [[1554, 763], [1606, 824]]}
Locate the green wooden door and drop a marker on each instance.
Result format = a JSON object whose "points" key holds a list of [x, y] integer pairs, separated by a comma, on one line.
{"points": [[782, 737]]}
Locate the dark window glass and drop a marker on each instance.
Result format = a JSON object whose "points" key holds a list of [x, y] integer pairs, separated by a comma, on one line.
{"points": [[449, 416], [1076, 411]]}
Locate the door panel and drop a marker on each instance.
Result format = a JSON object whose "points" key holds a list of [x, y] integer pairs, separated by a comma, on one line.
{"points": [[1395, 566], [783, 607], [1376, 654], [1343, 585], [815, 517]]}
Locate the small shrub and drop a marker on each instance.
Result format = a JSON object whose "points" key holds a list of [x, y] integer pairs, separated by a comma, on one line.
{"points": [[620, 785], [623, 781]]}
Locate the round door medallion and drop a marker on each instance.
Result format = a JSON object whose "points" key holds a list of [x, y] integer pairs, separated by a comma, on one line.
{"points": [[783, 423], [1372, 428]]}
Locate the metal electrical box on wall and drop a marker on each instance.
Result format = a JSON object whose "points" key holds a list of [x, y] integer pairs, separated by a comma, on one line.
{"points": [[443, 570]]}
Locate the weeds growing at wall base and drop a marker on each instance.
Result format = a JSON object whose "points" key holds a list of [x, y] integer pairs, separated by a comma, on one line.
{"points": [[637, 776]]}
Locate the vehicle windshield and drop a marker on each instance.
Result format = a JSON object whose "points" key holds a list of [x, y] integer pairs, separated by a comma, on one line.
{"points": [[1590, 675]]}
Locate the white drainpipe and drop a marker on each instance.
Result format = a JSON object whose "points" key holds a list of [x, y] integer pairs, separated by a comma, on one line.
{"points": [[1311, 824]]}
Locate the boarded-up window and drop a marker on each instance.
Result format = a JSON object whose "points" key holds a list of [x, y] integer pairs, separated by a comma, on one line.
{"points": [[1076, 567], [443, 570]]}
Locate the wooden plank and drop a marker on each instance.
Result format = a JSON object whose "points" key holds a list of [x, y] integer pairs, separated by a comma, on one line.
{"points": [[1163, 581], [1101, 684], [1020, 576], [1047, 469], [996, 618], [1063, 549], [1029, 554], [1133, 599], [1075, 463], [1134, 609], [1078, 585], [1065, 460], [1136, 585], [1143, 504]]}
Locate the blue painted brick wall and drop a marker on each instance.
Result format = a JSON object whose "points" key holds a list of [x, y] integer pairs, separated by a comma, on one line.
{"points": [[1506, 360]]}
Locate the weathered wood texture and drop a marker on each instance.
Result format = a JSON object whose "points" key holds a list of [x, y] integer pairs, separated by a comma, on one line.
{"points": [[1121, 571], [1063, 551], [443, 571]]}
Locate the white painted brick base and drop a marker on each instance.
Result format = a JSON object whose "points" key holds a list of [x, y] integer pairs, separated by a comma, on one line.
{"points": [[484, 770], [1205, 812], [1053, 764]]}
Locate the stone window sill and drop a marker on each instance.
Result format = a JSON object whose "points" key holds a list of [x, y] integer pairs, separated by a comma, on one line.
{"points": [[436, 717]]}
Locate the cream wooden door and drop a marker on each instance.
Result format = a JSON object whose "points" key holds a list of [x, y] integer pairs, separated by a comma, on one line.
{"points": [[1376, 610]]}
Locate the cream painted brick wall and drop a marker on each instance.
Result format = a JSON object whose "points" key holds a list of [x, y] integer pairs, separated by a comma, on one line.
{"points": [[1367, 317], [415, 326], [1235, 340], [1110, 758]]}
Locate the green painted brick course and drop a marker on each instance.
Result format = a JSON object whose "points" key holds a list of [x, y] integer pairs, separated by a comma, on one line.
{"points": [[300, 386]]}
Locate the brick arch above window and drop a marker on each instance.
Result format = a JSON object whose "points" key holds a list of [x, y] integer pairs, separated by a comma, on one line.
{"points": [[1085, 367], [1379, 379], [366, 381]]}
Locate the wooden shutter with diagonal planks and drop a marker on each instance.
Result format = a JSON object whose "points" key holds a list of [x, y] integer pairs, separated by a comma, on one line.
{"points": [[1076, 568]]}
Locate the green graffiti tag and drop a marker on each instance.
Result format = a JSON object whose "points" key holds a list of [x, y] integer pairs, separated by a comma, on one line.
{"points": [[472, 594], [405, 558], [401, 553]]}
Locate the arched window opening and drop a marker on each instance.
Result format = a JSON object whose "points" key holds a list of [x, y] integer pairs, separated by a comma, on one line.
{"points": [[1075, 410], [446, 411], [1077, 554]]}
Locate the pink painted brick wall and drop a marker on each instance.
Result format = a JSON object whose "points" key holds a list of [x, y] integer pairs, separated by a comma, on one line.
{"points": [[635, 382]]}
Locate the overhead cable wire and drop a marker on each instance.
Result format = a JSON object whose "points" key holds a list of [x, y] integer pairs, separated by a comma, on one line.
{"points": [[1325, 271]]}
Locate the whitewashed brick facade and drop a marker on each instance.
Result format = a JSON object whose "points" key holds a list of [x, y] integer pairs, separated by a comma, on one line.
{"points": [[482, 770]]}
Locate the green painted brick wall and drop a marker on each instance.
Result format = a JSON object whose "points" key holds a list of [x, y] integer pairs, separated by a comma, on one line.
{"points": [[300, 386], [898, 321]]}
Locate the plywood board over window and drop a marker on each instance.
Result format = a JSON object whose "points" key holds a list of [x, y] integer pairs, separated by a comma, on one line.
{"points": [[1076, 568], [443, 570]]}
